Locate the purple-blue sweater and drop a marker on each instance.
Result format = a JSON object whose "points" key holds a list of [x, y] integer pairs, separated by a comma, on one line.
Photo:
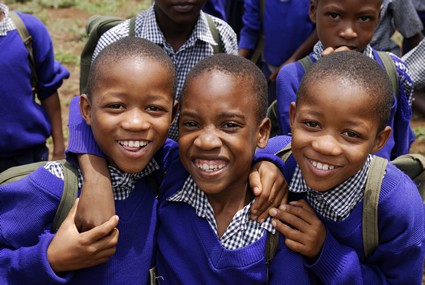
{"points": [[27, 211], [402, 135], [399, 257], [24, 123], [286, 26], [189, 251]]}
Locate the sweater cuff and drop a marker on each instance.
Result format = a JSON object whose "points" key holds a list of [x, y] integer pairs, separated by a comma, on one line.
{"points": [[36, 260], [81, 139]]}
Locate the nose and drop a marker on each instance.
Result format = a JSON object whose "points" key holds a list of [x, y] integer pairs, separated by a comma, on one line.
{"points": [[327, 145], [348, 32], [208, 140], [135, 120]]}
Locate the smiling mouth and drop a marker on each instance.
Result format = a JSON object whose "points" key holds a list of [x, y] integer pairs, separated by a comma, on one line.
{"points": [[322, 166], [210, 165], [133, 145]]}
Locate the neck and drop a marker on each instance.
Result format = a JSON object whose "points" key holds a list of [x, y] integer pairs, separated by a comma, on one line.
{"points": [[227, 204]]}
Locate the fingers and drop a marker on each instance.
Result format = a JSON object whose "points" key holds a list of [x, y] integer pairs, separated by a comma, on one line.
{"points": [[103, 230], [255, 181], [331, 50]]}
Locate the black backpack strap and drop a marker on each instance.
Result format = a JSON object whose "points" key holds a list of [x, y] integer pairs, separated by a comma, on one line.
{"points": [[272, 243], [27, 39], [370, 204], [69, 194], [216, 35]]}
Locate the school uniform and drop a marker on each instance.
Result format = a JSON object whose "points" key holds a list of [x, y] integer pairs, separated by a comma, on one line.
{"points": [[25, 125], [197, 47], [399, 256], [402, 135], [28, 208], [190, 251]]}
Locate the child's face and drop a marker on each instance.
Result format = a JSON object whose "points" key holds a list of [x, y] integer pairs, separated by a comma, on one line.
{"points": [[130, 112], [333, 132], [179, 12], [218, 132], [349, 23]]}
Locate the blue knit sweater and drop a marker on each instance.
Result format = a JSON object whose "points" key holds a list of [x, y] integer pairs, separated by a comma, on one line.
{"points": [[27, 211], [24, 124], [399, 257], [189, 251]]}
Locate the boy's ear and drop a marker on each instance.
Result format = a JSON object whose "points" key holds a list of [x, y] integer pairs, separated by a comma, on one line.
{"points": [[85, 108], [381, 139], [292, 109], [312, 10], [264, 132], [174, 111]]}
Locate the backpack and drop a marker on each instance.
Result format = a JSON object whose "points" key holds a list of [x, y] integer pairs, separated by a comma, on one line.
{"points": [[306, 62], [70, 186], [413, 165], [98, 25], [27, 39]]}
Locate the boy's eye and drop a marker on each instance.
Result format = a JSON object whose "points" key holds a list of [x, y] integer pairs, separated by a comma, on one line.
{"points": [[190, 125], [230, 125], [333, 15], [311, 124], [115, 106], [365, 18], [154, 109], [351, 134]]}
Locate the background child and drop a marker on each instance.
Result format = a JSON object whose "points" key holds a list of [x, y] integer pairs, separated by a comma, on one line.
{"points": [[338, 121], [25, 125], [129, 117], [205, 234], [349, 25]]}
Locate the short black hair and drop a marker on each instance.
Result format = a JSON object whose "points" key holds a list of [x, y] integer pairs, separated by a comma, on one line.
{"points": [[362, 72], [243, 70], [128, 47]]}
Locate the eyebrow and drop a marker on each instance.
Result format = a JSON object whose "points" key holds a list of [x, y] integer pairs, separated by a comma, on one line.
{"points": [[221, 115]]}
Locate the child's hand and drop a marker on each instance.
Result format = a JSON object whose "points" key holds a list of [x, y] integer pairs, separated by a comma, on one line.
{"points": [[269, 187], [71, 250], [305, 232], [331, 50], [97, 203]]}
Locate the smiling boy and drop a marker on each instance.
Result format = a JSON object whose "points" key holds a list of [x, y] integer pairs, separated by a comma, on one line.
{"points": [[129, 117], [350, 25], [338, 122], [205, 234]]}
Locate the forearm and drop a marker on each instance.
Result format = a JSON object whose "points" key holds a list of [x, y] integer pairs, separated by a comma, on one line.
{"points": [[52, 106]]}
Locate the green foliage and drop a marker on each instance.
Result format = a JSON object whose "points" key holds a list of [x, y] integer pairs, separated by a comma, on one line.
{"points": [[66, 57], [420, 133]]}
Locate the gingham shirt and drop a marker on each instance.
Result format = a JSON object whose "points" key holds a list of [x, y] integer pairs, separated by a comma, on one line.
{"points": [[122, 183], [242, 231], [197, 47], [415, 60], [401, 67], [6, 24], [397, 15], [335, 204]]}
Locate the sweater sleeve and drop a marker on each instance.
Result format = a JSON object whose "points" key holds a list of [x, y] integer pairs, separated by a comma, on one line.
{"points": [[251, 29], [287, 83], [399, 256], [81, 139]]}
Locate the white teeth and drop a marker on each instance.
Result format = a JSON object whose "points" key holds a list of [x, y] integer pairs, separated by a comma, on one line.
{"points": [[211, 168], [322, 166], [133, 143]]}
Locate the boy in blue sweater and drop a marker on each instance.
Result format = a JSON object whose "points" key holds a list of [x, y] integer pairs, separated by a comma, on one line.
{"points": [[205, 234], [129, 117], [350, 25], [338, 122]]}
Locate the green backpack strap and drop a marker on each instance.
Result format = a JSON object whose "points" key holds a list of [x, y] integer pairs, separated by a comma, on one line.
{"points": [[27, 39], [95, 28], [69, 194], [272, 243], [306, 63], [216, 35], [256, 55], [390, 69], [370, 204], [272, 115], [17, 172]]}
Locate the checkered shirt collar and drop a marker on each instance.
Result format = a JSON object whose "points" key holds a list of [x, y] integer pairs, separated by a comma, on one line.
{"points": [[318, 49], [241, 232], [152, 32], [6, 24], [335, 204], [123, 183]]}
